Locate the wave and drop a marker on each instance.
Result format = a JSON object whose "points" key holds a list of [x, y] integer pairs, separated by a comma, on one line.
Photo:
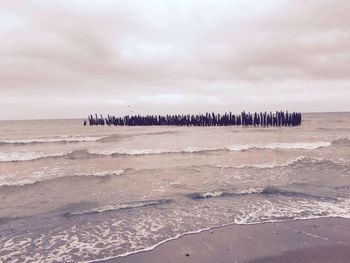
{"points": [[341, 142], [103, 173], [205, 229], [116, 207], [78, 138], [253, 216], [222, 193], [55, 139], [281, 146], [32, 181], [28, 156], [218, 193], [82, 154], [269, 191], [238, 147], [298, 162], [295, 162], [306, 160], [121, 151], [158, 226], [23, 182]]}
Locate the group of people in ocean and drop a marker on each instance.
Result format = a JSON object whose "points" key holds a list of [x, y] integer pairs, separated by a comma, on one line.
{"points": [[265, 119]]}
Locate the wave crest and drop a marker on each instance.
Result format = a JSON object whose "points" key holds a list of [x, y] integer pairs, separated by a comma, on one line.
{"points": [[54, 139], [31, 181], [103, 173], [268, 190], [28, 156], [295, 162], [121, 151], [222, 193], [238, 147], [280, 146], [116, 207]]}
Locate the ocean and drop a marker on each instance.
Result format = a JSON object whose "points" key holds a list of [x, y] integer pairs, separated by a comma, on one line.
{"points": [[71, 193]]}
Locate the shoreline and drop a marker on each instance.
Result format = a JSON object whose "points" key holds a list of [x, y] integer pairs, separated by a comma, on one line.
{"points": [[274, 242]]}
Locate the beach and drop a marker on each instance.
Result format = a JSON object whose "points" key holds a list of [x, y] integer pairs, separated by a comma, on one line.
{"points": [[75, 193], [325, 240], [175, 131]]}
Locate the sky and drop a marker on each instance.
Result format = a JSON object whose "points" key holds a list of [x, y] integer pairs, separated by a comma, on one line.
{"points": [[70, 58]]}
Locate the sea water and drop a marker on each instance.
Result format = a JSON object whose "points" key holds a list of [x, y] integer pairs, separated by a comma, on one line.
{"points": [[74, 193]]}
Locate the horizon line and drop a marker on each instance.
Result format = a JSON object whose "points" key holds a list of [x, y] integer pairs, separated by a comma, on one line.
{"points": [[80, 118]]}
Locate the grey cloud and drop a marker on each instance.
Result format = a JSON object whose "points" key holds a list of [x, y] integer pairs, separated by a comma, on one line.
{"points": [[131, 50]]}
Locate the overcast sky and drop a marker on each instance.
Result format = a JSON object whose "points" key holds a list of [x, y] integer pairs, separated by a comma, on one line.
{"points": [[68, 58]]}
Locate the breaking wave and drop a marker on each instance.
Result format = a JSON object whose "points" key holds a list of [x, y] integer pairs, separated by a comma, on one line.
{"points": [[54, 139], [281, 146], [120, 151], [238, 147], [112, 237], [28, 156], [269, 190], [103, 174], [116, 207], [37, 179], [303, 161], [296, 162], [218, 193]]}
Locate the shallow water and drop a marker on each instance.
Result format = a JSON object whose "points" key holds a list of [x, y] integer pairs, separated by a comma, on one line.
{"points": [[71, 193]]}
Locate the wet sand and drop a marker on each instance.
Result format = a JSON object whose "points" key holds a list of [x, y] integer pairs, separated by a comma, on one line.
{"points": [[314, 240]]}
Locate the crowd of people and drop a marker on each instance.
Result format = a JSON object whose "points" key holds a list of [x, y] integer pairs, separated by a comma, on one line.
{"points": [[278, 118]]}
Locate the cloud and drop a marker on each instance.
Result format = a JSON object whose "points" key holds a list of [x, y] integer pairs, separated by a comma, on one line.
{"points": [[148, 51]]}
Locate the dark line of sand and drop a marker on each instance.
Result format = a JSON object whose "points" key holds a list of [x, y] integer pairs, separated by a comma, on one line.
{"points": [[325, 240]]}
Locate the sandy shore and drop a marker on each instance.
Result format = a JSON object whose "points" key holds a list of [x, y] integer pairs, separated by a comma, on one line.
{"points": [[315, 240]]}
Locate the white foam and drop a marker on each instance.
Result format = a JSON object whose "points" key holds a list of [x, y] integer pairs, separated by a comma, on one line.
{"points": [[263, 212], [296, 160], [43, 176], [238, 147], [121, 151], [18, 182], [116, 207], [54, 139], [28, 156], [235, 192], [282, 145], [103, 238], [211, 194], [250, 191], [150, 248], [102, 174]]}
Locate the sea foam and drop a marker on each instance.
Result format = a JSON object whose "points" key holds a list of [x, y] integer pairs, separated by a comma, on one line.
{"points": [[28, 156], [297, 161], [43, 176], [282, 146], [116, 207], [238, 147], [104, 237], [121, 151], [54, 139]]}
